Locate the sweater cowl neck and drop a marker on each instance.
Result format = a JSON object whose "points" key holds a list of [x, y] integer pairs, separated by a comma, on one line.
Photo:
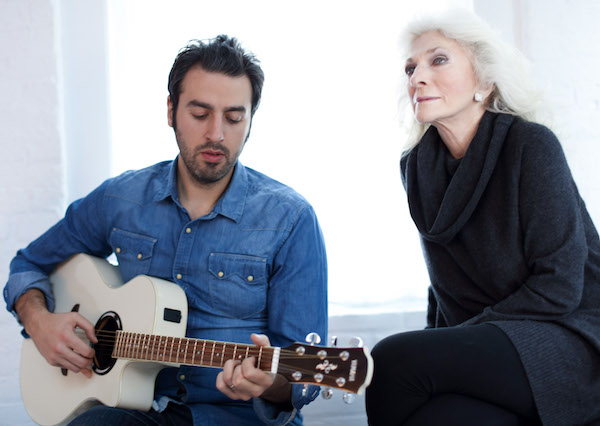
{"points": [[442, 203]]}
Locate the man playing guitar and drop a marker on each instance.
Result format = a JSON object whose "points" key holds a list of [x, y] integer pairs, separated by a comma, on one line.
{"points": [[247, 251]]}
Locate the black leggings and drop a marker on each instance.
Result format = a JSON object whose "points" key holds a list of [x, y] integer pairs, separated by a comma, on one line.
{"points": [[449, 376]]}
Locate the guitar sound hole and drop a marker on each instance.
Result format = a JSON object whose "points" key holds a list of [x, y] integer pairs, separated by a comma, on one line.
{"points": [[106, 331]]}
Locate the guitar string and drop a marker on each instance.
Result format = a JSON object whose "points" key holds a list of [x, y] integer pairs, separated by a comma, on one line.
{"points": [[108, 342], [228, 354], [154, 355], [106, 339]]}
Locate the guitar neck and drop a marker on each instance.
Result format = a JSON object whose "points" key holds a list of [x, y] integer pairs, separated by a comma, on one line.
{"points": [[188, 351]]}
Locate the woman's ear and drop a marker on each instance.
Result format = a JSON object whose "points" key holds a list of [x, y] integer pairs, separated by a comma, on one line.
{"points": [[486, 92]]}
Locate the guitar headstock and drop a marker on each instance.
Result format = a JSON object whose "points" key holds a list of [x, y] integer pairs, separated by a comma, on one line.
{"points": [[347, 369]]}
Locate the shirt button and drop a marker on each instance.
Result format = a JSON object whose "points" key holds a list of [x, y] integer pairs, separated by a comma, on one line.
{"points": [[178, 276], [118, 250], [182, 377], [188, 230], [220, 274], [250, 278], [139, 256]]}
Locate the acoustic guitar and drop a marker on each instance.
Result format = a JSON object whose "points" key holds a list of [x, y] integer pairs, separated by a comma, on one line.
{"points": [[140, 326]]}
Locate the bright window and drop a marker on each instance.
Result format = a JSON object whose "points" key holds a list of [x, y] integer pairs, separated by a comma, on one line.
{"points": [[327, 125]]}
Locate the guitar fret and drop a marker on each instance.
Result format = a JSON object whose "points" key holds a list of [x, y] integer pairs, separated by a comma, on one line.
{"points": [[178, 349], [259, 356], [234, 350], [132, 346], [136, 346], [115, 353], [127, 345], [203, 349], [187, 342], [194, 352], [223, 354], [133, 340], [123, 349], [147, 344], [163, 347], [212, 354], [171, 351], [181, 340], [142, 346]]}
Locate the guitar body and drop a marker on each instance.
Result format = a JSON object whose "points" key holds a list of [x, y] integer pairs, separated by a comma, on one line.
{"points": [[94, 287]]}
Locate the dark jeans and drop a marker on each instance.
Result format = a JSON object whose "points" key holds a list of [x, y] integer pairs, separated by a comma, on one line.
{"points": [[449, 376], [174, 415]]}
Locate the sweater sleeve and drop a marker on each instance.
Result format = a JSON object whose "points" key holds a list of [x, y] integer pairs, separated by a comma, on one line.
{"points": [[554, 235]]}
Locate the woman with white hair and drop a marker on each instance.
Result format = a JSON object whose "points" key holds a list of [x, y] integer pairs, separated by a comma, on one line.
{"points": [[513, 334]]}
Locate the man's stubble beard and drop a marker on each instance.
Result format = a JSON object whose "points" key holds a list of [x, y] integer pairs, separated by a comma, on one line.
{"points": [[201, 172]]}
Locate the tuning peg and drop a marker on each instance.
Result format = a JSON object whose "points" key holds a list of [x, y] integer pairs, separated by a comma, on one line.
{"points": [[349, 398], [313, 339], [333, 340], [356, 342], [326, 393]]}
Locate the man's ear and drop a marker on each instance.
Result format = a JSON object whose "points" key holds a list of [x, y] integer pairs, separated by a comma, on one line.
{"points": [[169, 111]]}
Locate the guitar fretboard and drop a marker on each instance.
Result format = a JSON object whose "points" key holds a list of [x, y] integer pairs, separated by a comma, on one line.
{"points": [[183, 350]]}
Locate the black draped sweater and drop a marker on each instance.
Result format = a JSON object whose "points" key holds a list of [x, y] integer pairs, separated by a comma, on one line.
{"points": [[507, 240]]}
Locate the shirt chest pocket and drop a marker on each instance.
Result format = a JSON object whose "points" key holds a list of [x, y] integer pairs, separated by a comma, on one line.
{"points": [[133, 251], [237, 284]]}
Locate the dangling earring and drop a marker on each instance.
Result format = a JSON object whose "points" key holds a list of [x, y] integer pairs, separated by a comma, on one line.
{"points": [[478, 97]]}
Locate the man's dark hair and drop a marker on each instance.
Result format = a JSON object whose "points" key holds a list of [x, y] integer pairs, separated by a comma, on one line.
{"points": [[222, 54]]}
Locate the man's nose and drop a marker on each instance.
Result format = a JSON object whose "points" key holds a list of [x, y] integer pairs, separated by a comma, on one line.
{"points": [[215, 129]]}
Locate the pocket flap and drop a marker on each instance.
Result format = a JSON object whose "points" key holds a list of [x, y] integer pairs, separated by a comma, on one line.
{"points": [[251, 269]]}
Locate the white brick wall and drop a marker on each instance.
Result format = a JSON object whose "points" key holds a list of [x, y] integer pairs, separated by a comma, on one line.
{"points": [[558, 35], [560, 39], [31, 163]]}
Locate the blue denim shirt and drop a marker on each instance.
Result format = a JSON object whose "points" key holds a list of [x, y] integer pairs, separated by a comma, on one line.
{"points": [[258, 228]]}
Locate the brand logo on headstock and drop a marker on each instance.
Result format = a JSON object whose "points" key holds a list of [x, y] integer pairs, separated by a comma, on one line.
{"points": [[326, 366], [353, 367]]}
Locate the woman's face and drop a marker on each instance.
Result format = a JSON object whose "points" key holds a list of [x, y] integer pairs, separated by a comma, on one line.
{"points": [[442, 82]]}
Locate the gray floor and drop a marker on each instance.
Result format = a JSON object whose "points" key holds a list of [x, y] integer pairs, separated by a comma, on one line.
{"points": [[371, 329]]}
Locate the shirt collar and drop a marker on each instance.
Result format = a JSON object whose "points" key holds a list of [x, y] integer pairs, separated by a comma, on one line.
{"points": [[231, 204], [169, 184]]}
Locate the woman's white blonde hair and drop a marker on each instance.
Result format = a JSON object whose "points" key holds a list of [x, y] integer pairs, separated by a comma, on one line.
{"points": [[494, 62]]}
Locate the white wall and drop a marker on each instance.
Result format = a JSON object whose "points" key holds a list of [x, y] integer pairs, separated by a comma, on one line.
{"points": [[560, 38], [558, 35], [32, 165], [54, 102], [84, 78]]}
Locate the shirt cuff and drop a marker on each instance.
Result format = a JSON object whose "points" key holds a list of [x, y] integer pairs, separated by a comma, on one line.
{"points": [[272, 414], [22, 282]]}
